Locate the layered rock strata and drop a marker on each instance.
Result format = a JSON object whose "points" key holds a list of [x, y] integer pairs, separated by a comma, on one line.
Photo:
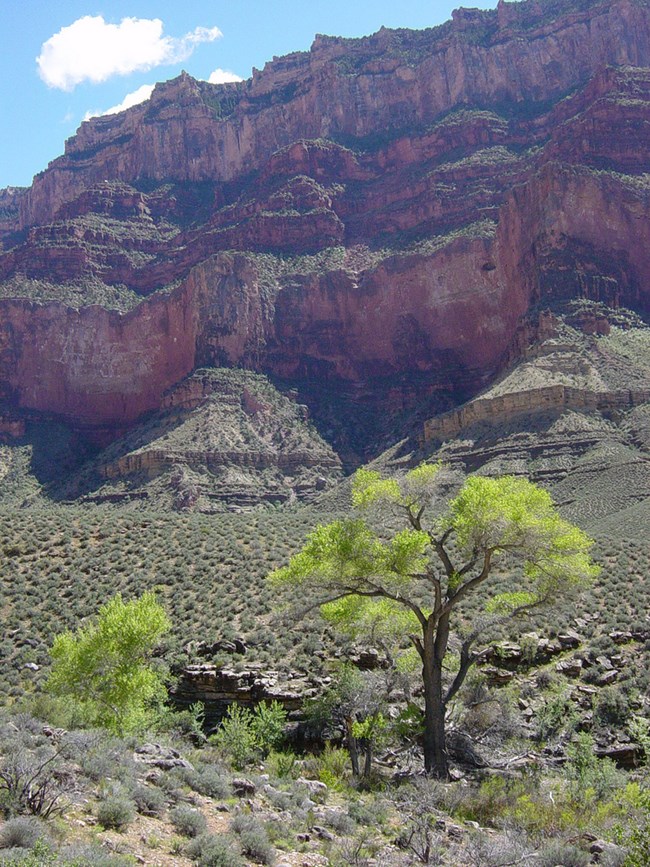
{"points": [[373, 218]]}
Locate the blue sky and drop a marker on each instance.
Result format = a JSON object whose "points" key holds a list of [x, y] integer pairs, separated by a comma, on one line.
{"points": [[62, 60]]}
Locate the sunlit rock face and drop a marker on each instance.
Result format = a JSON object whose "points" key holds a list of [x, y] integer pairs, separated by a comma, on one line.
{"points": [[373, 219]]}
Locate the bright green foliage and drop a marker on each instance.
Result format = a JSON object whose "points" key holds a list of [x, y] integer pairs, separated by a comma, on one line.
{"points": [[382, 619], [374, 577], [106, 666], [349, 550], [590, 776], [368, 487], [371, 728], [246, 735], [505, 603], [269, 720], [513, 514], [415, 584], [414, 490]]}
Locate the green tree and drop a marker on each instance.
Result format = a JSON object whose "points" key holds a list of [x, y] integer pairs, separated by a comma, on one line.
{"points": [[354, 702], [417, 581], [106, 666]]}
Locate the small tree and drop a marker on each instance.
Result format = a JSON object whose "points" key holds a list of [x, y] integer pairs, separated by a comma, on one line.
{"points": [[418, 581], [354, 702], [106, 666]]}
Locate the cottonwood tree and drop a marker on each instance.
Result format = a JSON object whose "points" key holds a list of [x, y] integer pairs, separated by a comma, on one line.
{"points": [[106, 666], [419, 579]]}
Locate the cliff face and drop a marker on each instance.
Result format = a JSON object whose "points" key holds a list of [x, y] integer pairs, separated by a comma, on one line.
{"points": [[373, 217], [192, 131]]}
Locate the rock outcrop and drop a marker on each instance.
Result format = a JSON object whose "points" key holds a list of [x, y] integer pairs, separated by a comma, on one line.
{"points": [[223, 439], [572, 412], [369, 222]]}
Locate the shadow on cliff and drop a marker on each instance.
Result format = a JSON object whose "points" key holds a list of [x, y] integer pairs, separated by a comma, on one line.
{"points": [[42, 459]]}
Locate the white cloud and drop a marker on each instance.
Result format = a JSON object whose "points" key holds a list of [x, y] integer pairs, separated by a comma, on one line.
{"points": [[133, 98], [223, 76], [90, 49]]}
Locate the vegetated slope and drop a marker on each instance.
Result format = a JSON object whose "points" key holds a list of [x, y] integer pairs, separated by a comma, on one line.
{"points": [[61, 563], [368, 222], [582, 431]]}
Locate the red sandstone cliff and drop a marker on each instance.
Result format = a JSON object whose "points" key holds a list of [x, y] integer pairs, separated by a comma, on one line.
{"points": [[375, 214]]}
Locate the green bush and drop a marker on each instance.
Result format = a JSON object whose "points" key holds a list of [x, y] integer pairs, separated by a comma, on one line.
{"points": [[188, 822], [269, 720], [246, 735], [611, 707], [236, 736], [283, 765], [106, 666], [556, 715], [116, 812], [21, 833], [212, 850], [589, 776]]}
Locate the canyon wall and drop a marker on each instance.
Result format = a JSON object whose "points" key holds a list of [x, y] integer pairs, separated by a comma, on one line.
{"points": [[375, 215]]}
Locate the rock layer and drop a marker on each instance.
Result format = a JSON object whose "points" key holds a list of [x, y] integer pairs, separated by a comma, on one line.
{"points": [[373, 218]]}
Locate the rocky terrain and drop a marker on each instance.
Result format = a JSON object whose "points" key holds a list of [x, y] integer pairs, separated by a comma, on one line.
{"points": [[370, 223]]}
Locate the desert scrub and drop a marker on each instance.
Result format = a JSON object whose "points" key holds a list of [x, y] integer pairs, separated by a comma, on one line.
{"points": [[253, 838], [202, 562], [210, 780], [148, 800], [21, 832], [116, 812], [187, 821], [212, 850]]}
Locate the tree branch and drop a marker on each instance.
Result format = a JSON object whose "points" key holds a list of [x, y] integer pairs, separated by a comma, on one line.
{"points": [[467, 588]]}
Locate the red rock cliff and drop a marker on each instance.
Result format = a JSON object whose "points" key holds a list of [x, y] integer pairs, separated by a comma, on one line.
{"points": [[376, 214]]}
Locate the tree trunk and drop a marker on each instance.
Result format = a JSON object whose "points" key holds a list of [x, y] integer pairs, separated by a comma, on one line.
{"points": [[353, 747], [435, 754], [367, 767]]}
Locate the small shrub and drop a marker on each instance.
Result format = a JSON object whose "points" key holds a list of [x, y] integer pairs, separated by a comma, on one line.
{"points": [[188, 822], [212, 850], [20, 833], [245, 735], [209, 780], [257, 846], [332, 767], [149, 801], [341, 822], [253, 838], [590, 776], [116, 813], [556, 715], [611, 708], [283, 765], [236, 737], [186, 723], [567, 855], [268, 724], [362, 814], [29, 782], [81, 855]]}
